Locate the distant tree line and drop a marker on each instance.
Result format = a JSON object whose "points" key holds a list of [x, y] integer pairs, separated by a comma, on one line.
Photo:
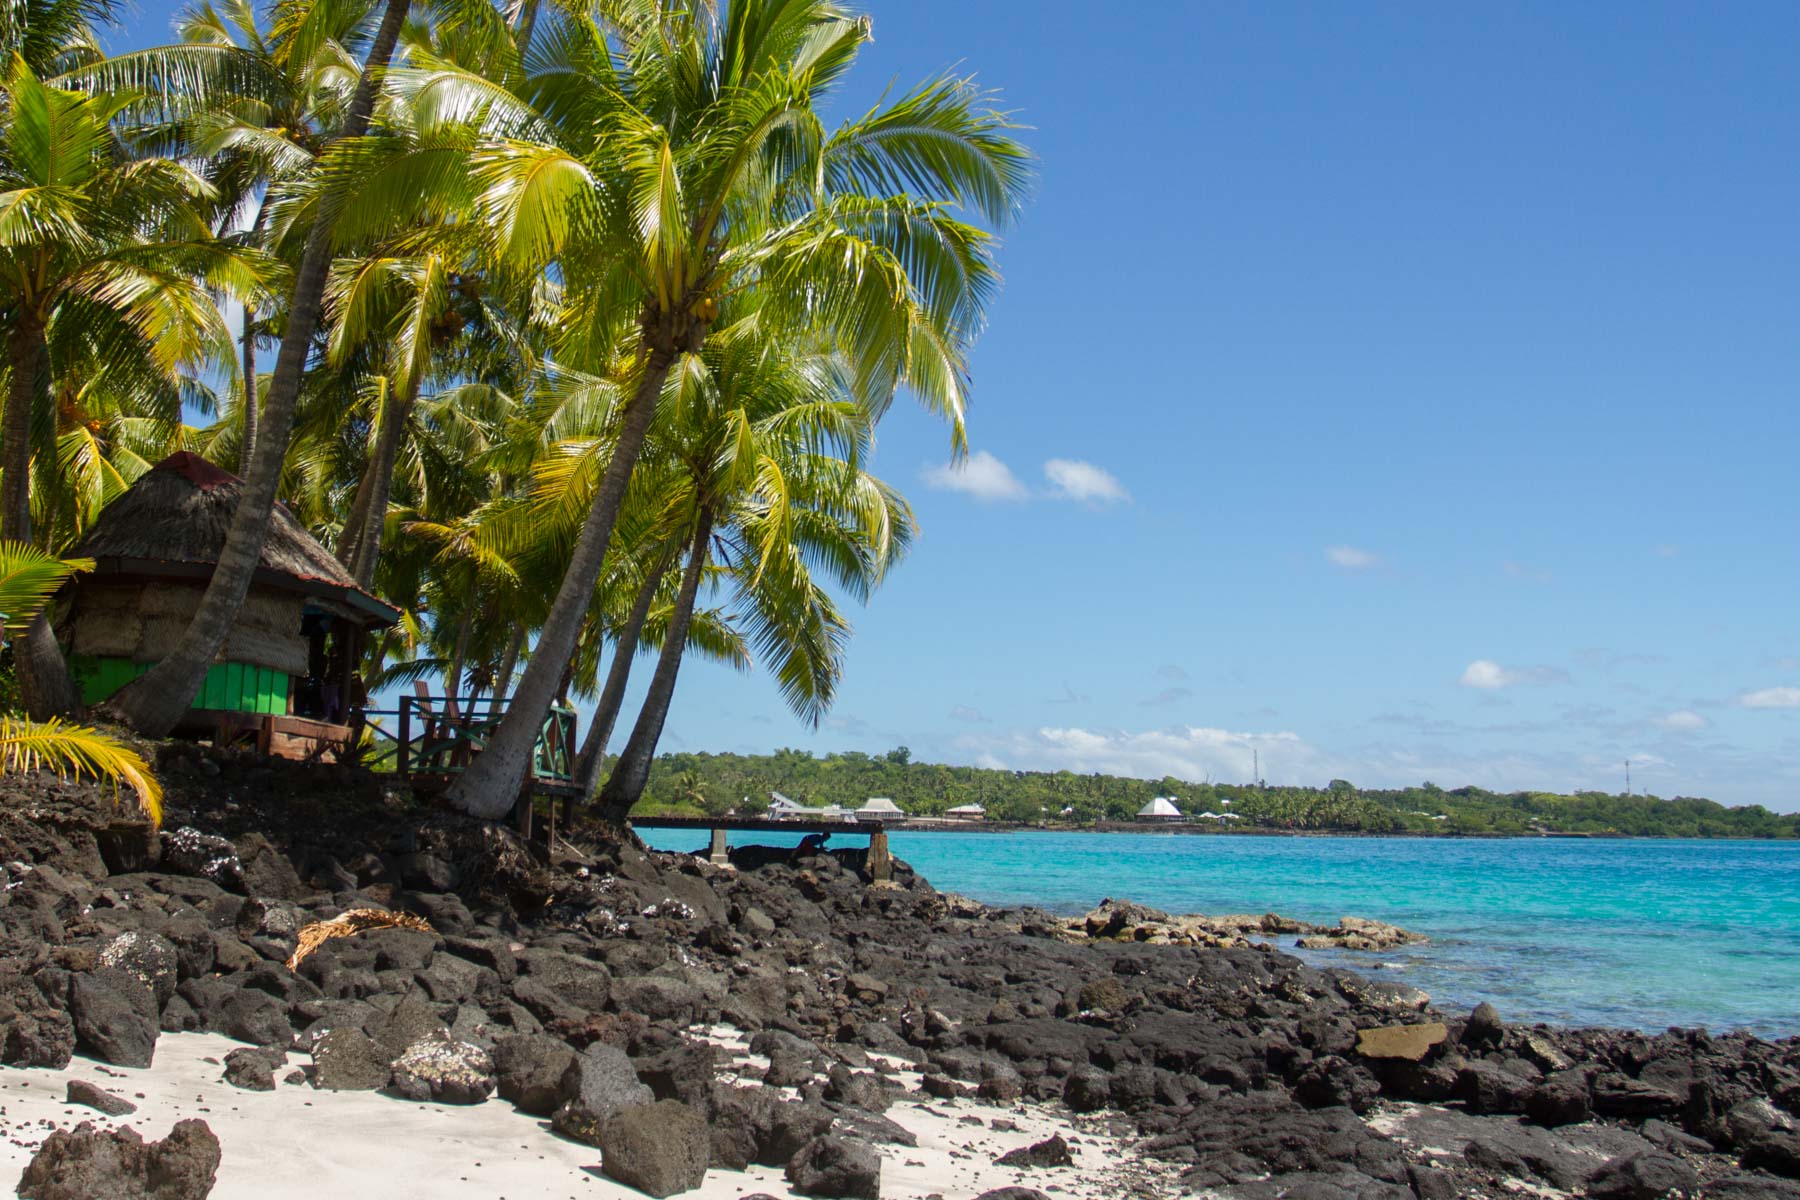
{"points": [[713, 784]]}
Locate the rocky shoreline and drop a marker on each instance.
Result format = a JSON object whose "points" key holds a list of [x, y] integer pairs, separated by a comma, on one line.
{"points": [[599, 990]]}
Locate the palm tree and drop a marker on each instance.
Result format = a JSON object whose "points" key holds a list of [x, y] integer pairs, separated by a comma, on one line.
{"points": [[28, 579], [110, 251], [667, 159], [53, 36], [155, 701], [768, 438]]}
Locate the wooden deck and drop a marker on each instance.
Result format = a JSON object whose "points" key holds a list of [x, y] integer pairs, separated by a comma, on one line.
{"points": [[430, 740], [756, 825], [298, 739], [880, 861]]}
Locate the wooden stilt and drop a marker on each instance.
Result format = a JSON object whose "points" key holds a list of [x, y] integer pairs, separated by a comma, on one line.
{"points": [[881, 862]]}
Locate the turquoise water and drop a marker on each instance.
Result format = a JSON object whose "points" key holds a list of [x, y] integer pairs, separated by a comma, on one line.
{"points": [[1645, 934]]}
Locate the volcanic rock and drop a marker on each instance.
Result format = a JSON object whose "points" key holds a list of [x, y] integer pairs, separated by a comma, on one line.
{"points": [[95, 1097], [1051, 1152], [660, 1149], [836, 1167], [85, 1164], [440, 1068]]}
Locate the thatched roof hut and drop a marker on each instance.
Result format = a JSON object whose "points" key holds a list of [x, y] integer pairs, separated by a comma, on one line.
{"points": [[155, 548]]}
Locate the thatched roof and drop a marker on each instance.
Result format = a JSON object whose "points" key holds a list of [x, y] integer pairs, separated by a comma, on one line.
{"points": [[172, 522]]}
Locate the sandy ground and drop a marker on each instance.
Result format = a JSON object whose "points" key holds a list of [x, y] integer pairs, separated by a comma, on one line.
{"points": [[299, 1143]]}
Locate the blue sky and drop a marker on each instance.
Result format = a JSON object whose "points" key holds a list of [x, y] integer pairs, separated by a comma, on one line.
{"points": [[1400, 392]]}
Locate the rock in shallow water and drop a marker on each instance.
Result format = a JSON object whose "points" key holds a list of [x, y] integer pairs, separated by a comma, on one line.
{"points": [[1484, 1027]]}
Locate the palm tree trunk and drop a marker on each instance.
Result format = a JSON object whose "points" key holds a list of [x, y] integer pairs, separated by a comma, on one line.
{"points": [[508, 663], [379, 481], [350, 536], [612, 693], [25, 355], [528, 14], [155, 702], [458, 656], [632, 771], [44, 682], [490, 786], [248, 450]]}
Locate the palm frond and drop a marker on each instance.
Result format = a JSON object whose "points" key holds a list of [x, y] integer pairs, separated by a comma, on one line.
{"points": [[77, 752]]}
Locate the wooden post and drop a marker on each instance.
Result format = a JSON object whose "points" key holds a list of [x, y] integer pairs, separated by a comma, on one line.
{"points": [[522, 811], [881, 862], [719, 856], [403, 753]]}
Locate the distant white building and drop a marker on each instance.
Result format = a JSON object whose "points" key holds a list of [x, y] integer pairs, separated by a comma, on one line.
{"points": [[880, 808], [1160, 809], [783, 809], [967, 812]]}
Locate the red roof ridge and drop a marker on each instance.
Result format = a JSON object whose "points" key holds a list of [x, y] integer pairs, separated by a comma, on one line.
{"points": [[196, 470]]}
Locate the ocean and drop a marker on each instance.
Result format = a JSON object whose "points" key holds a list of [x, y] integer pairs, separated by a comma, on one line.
{"points": [[1639, 934]]}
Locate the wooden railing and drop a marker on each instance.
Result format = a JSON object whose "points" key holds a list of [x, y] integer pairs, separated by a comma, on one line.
{"points": [[439, 736]]}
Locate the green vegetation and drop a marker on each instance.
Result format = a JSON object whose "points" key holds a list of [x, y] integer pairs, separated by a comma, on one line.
{"points": [[28, 578], [712, 783], [583, 316]]}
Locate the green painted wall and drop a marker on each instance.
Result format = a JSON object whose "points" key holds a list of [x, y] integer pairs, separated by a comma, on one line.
{"points": [[229, 687]]}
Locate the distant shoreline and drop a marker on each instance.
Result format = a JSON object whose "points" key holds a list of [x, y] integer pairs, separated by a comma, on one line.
{"points": [[935, 825]]}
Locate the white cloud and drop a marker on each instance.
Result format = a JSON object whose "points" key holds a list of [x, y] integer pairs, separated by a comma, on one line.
{"points": [[980, 475], [1073, 479], [1681, 721], [1487, 675], [1775, 697], [1525, 762], [1352, 559], [1186, 752]]}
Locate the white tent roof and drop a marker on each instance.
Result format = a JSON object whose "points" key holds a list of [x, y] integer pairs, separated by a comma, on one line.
{"points": [[880, 804], [1162, 806], [970, 810]]}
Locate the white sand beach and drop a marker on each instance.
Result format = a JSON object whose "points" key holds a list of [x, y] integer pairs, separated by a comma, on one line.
{"points": [[298, 1143]]}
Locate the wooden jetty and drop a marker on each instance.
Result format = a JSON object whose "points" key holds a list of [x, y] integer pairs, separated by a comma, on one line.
{"points": [[880, 862]]}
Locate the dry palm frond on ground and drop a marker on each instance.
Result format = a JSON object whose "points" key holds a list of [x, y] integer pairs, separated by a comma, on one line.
{"points": [[345, 924]]}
